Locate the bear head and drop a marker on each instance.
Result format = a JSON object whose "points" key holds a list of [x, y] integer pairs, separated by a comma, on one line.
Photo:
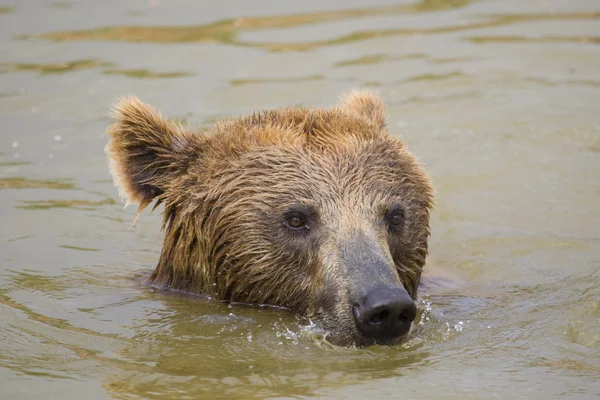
{"points": [[321, 211]]}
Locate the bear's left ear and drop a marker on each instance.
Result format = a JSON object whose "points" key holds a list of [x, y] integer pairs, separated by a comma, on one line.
{"points": [[365, 104], [146, 152]]}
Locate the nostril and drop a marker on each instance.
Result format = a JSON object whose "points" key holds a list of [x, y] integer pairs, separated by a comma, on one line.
{"points": [[379, 317], [409, 313], [404, 317]]}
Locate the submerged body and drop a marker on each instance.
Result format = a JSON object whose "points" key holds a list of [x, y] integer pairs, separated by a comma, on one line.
{"points": [[318, 210]]}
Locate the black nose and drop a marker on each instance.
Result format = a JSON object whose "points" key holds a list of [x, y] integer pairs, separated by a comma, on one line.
{"points": [[385, 313]]}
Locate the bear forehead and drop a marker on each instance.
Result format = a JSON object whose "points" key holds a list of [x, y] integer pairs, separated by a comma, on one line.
{"points": [[300, 135], [305, 153], [320, 151], [314, 129], [293, 167]]}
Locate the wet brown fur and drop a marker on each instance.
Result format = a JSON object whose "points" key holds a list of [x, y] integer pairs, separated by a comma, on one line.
{"points": [[225, 191]]}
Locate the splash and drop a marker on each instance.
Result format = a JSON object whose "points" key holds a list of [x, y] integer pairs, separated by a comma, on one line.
{"points": [[426, 316]]}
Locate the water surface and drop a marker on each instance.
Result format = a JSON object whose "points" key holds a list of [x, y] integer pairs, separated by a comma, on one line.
{"points": [[499, 99]]}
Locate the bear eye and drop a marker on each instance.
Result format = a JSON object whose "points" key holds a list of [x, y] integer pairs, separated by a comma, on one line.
{"points": [[396, 218], [295, 220]]}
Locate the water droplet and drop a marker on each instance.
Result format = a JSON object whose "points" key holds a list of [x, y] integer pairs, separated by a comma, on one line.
{"points": [[459, 327]]}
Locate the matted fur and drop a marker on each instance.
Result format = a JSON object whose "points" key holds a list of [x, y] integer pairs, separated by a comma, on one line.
{"points": [[225, 191]]}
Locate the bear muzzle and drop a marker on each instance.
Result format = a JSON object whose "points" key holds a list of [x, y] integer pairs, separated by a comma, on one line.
{"points": [[380, 310]]}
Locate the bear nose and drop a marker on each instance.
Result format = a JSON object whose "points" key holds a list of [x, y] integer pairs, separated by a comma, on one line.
{"points": [[385, 313]]}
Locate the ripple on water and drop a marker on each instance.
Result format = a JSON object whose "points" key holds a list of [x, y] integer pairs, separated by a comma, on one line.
{"points": [[187, 336], [226, 31]]}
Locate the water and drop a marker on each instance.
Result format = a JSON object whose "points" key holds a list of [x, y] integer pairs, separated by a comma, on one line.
{"points": [[500, 100]]}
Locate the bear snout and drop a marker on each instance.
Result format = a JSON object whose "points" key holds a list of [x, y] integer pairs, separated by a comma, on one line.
{"points": [[384, 313]]}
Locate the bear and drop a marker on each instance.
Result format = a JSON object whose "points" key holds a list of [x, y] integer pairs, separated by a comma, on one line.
{"points": [[318, 210]]}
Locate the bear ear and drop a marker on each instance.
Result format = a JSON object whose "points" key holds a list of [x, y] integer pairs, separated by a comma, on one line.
{"points": [[365, 104], [145, 152]]}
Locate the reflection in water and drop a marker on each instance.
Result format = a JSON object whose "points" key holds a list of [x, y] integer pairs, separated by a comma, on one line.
{"points": [[208, 346], [33, 281], [72, 204], [25, 183], [436, 77], [377, 58], [56, 68], [14, 239], [238, 82], [144, 73], [225, 350], [14, 163], [541, 39], [573, 365], [226, 31], [64, 246], [87, 64]]}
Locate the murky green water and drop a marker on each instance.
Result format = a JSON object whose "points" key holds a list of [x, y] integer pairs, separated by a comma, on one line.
{"points": [[500, 99]]}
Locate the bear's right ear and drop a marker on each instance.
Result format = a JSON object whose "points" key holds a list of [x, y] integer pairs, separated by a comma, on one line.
{"points": [[366, 105], [146, 152]]}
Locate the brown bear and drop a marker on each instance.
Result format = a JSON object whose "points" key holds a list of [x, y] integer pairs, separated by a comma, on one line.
{"points": [[320, 211]]}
